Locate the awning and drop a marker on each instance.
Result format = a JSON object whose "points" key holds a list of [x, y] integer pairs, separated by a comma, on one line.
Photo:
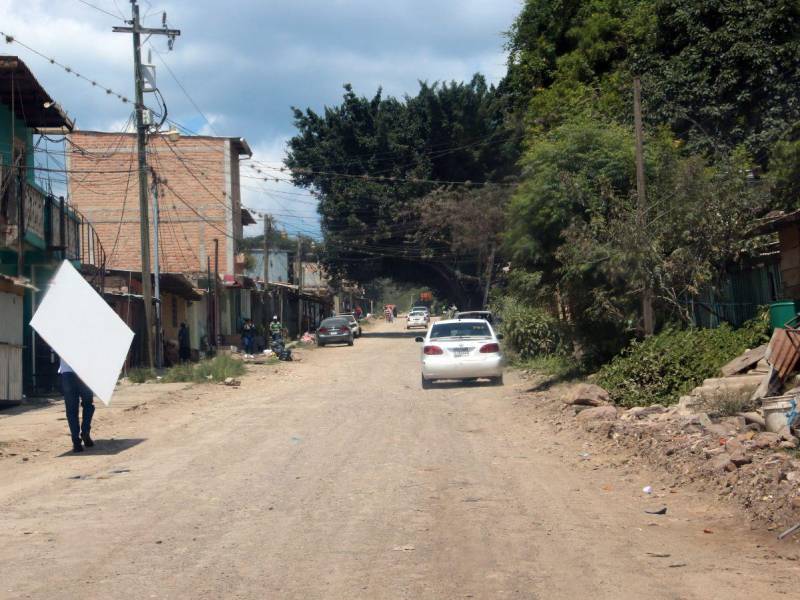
{"points": [[33, 105]]}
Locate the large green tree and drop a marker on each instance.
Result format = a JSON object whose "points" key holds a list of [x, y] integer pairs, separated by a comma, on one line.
{"points": [[372, 160]]}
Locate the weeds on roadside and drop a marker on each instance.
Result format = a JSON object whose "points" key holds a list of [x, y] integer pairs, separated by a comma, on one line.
{"points": [[727, 403], [140, 375], [217, 369], [557, 366]]}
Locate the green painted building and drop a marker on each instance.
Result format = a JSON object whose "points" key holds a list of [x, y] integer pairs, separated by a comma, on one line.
{"points": [[37, 230]]}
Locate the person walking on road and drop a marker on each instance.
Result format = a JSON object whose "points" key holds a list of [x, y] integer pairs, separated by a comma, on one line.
{"points": [[76, 392], [275, 328]]}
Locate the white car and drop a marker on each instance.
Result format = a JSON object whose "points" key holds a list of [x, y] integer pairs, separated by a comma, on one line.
{"points": [[353, 323], [424, 309], [417, 319], [461, 349]]}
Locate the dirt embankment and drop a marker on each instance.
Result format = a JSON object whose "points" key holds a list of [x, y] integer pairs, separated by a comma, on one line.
{"points": [[758, 471]]}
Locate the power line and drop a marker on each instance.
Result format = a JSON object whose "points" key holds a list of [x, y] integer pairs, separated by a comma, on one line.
{"points": [[97, 8]]}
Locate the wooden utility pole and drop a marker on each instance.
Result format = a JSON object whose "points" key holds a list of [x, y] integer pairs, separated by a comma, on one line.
{"points": [[298, 261], [141, 142], [489, 269], [647, 290]]}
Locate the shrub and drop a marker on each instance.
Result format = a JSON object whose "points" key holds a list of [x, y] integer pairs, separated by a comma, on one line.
{"points": [[531, 331], [661, 368]]}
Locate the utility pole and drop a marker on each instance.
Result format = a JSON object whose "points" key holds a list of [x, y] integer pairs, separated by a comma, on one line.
{"points": [[298, 261], [217, 332], [141, 144], [159, 354], [647, 291], [489, 268], [267, 233]]}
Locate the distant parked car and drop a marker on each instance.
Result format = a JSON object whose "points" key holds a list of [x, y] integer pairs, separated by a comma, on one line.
{"points": [[334, 330], [486, 315], [417, 319], [354, 326], [461, 349]]}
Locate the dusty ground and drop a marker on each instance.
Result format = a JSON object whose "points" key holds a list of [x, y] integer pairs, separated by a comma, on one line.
{"points": [[338, 477]]}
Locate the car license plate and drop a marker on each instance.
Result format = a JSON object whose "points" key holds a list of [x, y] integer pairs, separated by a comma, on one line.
{"points": [[458, 352]]}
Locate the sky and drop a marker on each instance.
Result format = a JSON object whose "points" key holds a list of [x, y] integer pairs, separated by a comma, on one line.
{"points": [[245, 63]]}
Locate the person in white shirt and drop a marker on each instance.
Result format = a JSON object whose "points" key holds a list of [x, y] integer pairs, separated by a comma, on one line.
{"points": [[76, 392]]}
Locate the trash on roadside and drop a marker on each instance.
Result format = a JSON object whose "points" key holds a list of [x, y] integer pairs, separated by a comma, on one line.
{"points": [[660, 511], [790, 531], [648, 489], [707, 531], [232, 382]]}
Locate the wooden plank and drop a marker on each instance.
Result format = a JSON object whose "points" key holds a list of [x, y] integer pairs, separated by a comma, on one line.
{"points": [[744, 361]]}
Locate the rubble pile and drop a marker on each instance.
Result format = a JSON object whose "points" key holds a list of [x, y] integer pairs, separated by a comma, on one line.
{"points": [[734, 455]]}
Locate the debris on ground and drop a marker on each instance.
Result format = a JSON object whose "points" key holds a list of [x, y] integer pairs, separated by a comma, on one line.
{"points": [[232, 382], [739, 451]]}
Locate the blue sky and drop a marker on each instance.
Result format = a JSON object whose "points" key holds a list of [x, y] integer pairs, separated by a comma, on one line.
{"points": [[244, 63]]}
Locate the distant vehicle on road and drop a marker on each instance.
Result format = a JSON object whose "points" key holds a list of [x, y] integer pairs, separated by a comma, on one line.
{"points": [[486, 315], [417, 318], [334, 330], [465, 349], [354, 326]]}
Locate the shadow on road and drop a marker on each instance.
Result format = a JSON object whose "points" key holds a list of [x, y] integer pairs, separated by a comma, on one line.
{"points": [[8, 409], [107, 447], [455, 383]]}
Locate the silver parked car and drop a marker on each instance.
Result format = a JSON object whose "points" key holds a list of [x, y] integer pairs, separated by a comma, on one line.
{"points": [[461, 349], [353, 322], [335, 330]]}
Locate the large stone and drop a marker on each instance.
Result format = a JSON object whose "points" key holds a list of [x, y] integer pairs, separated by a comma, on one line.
{"points": [[587, 394], [598, 413], [740, 458], [786, 435], [766, 439]]}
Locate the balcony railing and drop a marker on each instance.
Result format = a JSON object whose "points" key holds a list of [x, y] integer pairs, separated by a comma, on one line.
{"points": [[51, 225]]}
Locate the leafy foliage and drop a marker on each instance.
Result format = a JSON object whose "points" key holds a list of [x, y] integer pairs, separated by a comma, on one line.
{"points": [[661, 368], [372, 160], [531, 331]]}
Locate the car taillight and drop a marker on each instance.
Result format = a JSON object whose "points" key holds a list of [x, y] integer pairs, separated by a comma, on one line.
{"points": [[323, 330], [432, 350], [490, 348]]}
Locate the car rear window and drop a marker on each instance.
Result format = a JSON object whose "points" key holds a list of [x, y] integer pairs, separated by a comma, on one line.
{"points": [[442, 330], [334, 322]]}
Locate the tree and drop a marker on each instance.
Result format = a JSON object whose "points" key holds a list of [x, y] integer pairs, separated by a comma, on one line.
{"points": [[370, 160]]}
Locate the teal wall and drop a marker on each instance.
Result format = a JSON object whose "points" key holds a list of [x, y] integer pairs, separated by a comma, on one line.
{"points": [[21, 132]]}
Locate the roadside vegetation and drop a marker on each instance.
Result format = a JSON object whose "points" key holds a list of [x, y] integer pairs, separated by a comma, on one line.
{"points": [[216, 370], [530, 187]]}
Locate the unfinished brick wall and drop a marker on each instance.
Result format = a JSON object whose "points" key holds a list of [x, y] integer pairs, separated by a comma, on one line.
{"points": [[201, 172]]}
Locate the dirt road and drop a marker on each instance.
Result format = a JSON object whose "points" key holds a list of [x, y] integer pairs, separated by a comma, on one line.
{"points": [[338, 477]]}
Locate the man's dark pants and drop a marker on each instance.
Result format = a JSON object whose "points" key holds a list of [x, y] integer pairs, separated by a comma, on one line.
{"points": [[76, 391]]}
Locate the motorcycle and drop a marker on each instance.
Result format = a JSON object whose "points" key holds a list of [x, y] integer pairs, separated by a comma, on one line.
{"points": [[278, 346]]}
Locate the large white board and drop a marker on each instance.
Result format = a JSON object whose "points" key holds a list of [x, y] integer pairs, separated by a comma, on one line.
{"points": [[83, 330]]}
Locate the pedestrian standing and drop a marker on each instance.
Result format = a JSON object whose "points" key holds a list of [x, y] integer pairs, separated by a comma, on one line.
{"points": [[184, 348], [248, 333], [275, 328], [76, 393]]}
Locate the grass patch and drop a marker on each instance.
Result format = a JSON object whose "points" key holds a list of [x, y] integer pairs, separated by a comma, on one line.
{"points": [[557, 366], [216, 369], [140, 375]]}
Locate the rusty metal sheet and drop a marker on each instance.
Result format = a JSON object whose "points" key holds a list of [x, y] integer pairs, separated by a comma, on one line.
{"points": [[784, 351]]}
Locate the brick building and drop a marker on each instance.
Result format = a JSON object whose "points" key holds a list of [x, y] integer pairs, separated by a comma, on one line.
{"points": [[200, 217], [199, 197]]}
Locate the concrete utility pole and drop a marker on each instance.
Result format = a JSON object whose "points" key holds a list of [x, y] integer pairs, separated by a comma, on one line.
{"points": [[217, 332], [647, 292], [159, 354], [267, 233], [141, 144]]}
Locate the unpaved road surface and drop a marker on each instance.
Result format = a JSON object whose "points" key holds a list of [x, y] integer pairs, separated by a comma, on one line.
{"points": [[338, 477]]}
